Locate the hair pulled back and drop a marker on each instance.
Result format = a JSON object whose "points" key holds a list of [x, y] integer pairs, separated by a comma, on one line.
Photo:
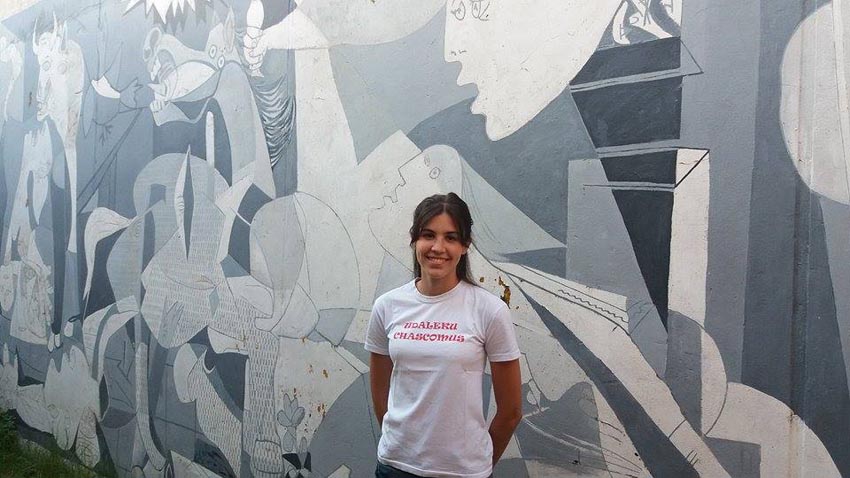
{"points": [[457, 209]]}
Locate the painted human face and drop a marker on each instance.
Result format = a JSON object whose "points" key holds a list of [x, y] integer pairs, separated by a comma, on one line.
{"points": [[438, 251], [521, 53], [436, 171], [8, 277]]}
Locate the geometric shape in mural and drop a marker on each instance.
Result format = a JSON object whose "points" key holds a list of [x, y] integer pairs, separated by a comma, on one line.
{"points": [[647, 217]]}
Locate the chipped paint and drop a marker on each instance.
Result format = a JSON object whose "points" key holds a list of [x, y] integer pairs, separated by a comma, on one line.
{"points": [[506, 291]]}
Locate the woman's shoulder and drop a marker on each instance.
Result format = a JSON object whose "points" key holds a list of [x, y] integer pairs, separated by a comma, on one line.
{"points": [[400, 292], [485, 300]]}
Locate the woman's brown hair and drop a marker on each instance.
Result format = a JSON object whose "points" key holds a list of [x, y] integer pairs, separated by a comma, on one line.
{"points": [[457, 209]]}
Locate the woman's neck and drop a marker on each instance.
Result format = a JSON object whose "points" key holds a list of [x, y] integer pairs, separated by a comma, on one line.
{"points": [[431, 286]]}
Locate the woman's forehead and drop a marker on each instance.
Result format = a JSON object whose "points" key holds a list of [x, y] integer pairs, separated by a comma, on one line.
{"points": [[442, 222]]}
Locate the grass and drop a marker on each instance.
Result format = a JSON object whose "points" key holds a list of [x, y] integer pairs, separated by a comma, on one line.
{"points": [[32, 461]]}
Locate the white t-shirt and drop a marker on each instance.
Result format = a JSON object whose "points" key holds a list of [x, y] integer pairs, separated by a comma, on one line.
{"points": [[435, 424]]}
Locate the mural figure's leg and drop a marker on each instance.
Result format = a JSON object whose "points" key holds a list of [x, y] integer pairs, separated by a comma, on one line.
{"points": [[143, 417], [260, 434]]}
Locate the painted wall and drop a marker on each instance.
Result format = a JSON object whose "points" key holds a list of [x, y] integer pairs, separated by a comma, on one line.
{"points": [[201, 199]]}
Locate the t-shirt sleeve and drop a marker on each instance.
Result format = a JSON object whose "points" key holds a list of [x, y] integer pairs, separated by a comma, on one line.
{"points": [[500, 338], [376, 333]]}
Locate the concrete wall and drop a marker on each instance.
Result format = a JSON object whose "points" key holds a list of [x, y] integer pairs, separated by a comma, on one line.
{"points": [[201, 199]]}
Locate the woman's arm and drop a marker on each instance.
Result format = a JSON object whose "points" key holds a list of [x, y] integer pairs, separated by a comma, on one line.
{"points": [[508, 390], [381, 367]]}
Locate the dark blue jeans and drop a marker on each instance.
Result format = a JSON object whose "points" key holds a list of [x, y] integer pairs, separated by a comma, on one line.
{"points": [[385, 471]]}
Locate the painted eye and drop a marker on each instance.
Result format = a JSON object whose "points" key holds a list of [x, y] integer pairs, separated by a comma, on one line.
{"points": [[62, 69], [151, 43], [458, 9], [479, 9], [220, 62], [213, 51], [435, 173], [45, 66]]}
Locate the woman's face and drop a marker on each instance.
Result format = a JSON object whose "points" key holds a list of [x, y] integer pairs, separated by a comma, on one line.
{"points": [[439, 249]]}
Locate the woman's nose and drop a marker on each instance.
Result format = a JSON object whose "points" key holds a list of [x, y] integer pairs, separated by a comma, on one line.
{"points": [[437, 245]]}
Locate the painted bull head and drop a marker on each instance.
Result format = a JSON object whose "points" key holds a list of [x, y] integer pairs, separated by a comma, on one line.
{"points": [[177, 71]]}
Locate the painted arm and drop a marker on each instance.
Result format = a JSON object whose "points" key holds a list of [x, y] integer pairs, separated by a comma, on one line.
{"points": [[507, 387], [381, 367], [19, 211]]}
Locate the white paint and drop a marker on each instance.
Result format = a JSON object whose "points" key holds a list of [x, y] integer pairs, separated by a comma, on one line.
{"points": [[165, 7], [12, 55], [295, 32], [9, 274], [713, 385], [101, 224], [617, 447], [33, 311], [143, 414], [87, 447], [36, 162], [436, 171], [12, 7], [99, 327], [104, 88], [32, 408], [59, 97], [314, 374], [689, 236], [186, 468], [341, 472], [524, 55], [788, 447], [68, 409], [209, 136], [215, 420], [8, 380], [816, 126], [610, 342], [369, 22], [810, 110]]}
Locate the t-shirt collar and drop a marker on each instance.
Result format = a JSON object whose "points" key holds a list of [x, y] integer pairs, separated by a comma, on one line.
{"points": [[435, 298]]}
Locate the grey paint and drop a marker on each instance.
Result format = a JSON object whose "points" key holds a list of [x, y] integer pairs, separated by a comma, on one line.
{"points": [[724, 38], [270, 382]]}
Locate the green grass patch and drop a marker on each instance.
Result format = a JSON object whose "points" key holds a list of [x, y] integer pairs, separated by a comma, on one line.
{"points": [[31, 461]]}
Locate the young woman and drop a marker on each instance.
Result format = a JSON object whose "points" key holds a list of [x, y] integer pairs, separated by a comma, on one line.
{"points": [[429, 341]]}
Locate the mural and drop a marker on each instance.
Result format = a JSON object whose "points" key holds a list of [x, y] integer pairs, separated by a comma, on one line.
{"points": [[201, 199]]}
